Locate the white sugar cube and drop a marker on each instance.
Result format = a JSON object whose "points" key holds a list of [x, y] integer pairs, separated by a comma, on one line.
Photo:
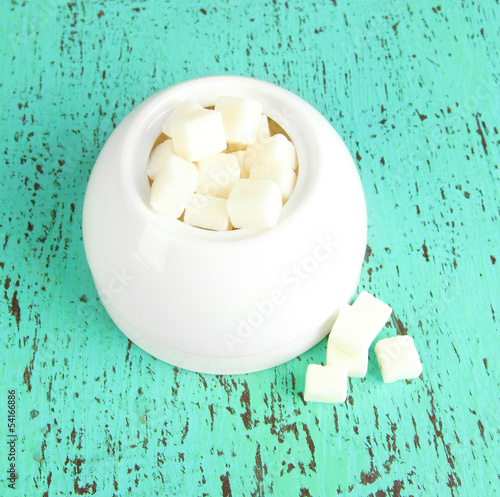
{"points": [[254, 204], [325, 383], [276, 148], [356, 365], [241, 117], [358, 325], [174, 186], [159, 157], [378, 311], [398, 358], [218, 174], [182, 110], [277, 171], [198, 134], [207, 212], [240, 156], [264, 131]]}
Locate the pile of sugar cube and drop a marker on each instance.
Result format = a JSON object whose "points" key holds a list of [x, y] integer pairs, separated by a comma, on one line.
{"points": [[353, 332], [221, 168]]}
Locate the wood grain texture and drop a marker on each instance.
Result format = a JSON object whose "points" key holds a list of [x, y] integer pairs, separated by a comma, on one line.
{"points": [[414, 90]]}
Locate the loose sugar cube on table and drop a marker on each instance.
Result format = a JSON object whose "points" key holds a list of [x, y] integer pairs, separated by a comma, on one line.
{"points": [[241, 118], [356, 365], [325, 383], [254, 204], [358, 325], [277, 171], [174, 186], [218, 174], [198, 134], [349, 332], [398, 358], [181, 110], [378, 311], [159, 157], [207, 212], [276, 148]]}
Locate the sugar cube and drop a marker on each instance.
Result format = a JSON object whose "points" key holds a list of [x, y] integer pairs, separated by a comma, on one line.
{"points": [[198, 134], [325, 383], [276, 148], [398, 358], [254, 204], [159, 157], [358, 325], [183, 109], [378, 311], [218, 174], [356, 365], [277, 171], [174, 186], [264, 131], [240, 156], [207, 212], [241, 117]]}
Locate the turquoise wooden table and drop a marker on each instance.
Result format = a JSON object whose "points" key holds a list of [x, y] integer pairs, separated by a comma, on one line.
{"points": [[413, 88]]}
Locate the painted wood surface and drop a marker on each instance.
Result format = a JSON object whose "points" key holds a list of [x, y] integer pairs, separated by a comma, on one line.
{"points": [[413, 89]]}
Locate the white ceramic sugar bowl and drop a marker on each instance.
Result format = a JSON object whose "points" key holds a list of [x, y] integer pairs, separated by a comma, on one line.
{"points": [[225, 302]]}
